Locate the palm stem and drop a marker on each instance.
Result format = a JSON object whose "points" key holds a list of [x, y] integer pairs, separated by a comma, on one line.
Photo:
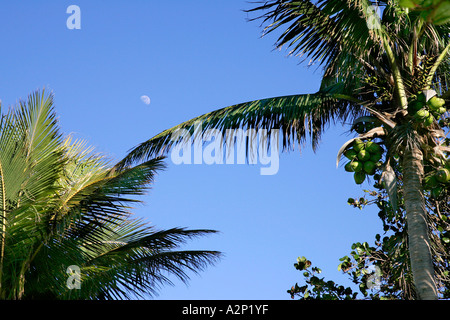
{"points": [[417, 226]]}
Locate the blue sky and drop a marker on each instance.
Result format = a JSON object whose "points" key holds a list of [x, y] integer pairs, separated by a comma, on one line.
{"points": [[191, 58]]}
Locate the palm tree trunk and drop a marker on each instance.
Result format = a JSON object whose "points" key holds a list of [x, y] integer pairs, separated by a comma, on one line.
{"points": [[417, 226]]}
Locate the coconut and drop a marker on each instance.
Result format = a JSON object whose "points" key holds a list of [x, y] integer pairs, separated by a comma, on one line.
{"points": [[421, 97], [441, 110], [443, 175], [435, 103], [414, 106], [369, 167], [375, 157], [436, 192], [422, 114], [359, 177], [358, 145], [363, 155], [373, 148], [348, 167], [429, 120], [430, 182], [350, 154], [356, 166]]}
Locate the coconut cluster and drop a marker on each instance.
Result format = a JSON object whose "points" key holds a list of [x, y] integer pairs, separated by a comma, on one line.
{"points": [[438, 181], [426, 112], [364, 159]]}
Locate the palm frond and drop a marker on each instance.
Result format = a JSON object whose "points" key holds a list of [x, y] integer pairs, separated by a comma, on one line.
{"points": [[336, 34], [30, 164], [297, 117], [104, 197], [133, 259]]}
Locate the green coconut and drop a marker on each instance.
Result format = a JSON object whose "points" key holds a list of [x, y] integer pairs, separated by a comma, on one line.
{"points": [[436, 192], [441, 110], [369, 167], [356, 166], [421, 97], [348, 167], [359, 177], [435, 103], [373, 148], [375, 157], [363, 155], [350, 154], [430, 182], [358, 145], [443, 175], [429, 120], [422, 114], [414, 106]]}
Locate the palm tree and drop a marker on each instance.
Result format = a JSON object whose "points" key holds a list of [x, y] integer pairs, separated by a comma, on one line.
{"points": [[372, 66], [67, 229]]}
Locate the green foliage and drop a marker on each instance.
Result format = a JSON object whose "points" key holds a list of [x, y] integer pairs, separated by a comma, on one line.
{"points": [[382, 270], [316, 287], [63, 205]]}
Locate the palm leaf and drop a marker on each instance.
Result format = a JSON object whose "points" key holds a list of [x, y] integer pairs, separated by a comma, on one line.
{"points": [[30, 163], [103, 197], [132, 259], [297, 117], [335, 34]]}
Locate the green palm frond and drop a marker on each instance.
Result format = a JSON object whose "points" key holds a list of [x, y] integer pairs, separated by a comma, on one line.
{"points": [[136, 254], [62, 204], [318, 30], [106, 197], [131, 259], [337, 34], [297, 117], [30, 164]]}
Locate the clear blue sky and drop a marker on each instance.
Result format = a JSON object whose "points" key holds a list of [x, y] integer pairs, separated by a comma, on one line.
{"points": [[191, 57]]}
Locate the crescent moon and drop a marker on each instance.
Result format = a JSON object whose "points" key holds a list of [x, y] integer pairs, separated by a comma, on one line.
{"points": [[145, 99]]}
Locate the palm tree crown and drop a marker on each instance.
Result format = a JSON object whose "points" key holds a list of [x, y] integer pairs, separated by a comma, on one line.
{"points": [[65, 215]]}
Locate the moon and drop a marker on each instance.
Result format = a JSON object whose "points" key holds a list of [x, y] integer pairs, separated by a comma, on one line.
{"points": [[145, 99]]}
